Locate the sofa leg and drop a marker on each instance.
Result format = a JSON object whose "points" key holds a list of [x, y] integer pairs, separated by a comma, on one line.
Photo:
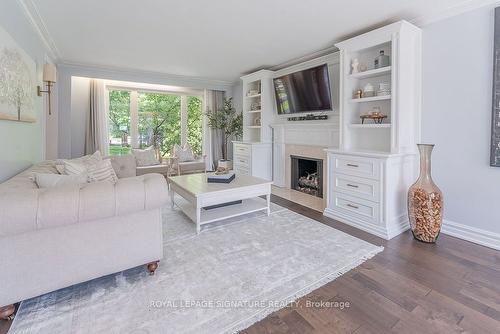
{"points": [[152, 267], [7, 312]]}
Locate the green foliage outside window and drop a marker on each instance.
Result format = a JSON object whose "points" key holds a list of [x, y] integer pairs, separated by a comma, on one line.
{"points": [[195, 127], [119, 122], [159, 122]]}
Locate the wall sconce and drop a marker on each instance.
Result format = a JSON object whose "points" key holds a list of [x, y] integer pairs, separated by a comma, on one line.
{"points": [[49, 76]]}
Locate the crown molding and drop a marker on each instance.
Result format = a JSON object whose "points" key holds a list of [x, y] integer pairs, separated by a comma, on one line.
{"points": [[33, 15], [463, 7], [133, 75]]}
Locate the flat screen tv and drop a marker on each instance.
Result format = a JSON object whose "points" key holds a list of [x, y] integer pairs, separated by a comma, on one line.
{"points": [[304, 91]]}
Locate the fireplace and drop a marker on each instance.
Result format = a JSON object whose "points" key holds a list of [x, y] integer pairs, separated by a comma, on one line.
{"points": [[307, 175]]}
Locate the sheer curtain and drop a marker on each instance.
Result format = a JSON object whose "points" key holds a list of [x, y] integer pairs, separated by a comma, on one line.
{"points": [[212, 141], [96, 135]]}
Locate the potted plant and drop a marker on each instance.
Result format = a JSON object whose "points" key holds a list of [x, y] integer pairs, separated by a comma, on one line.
{"points": [[230, 124]]}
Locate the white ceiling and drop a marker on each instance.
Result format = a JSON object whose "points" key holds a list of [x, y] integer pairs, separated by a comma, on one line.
{"points": [[217, 39]]}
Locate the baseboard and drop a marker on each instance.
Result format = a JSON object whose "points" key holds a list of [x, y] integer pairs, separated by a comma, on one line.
{"points": [[398, 226], [364, 226], [472, 234]]}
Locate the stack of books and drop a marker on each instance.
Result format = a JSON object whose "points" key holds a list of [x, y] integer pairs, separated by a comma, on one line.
{"points": [[221, 178]]}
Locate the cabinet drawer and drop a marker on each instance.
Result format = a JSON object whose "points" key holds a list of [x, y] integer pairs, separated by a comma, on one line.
{"points": [[242, 161], [357, 166], [242, 170], [356, 207], [356, 186], [242, 150]]}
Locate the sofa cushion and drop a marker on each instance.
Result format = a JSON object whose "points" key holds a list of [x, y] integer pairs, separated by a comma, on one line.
{"points": [[46, 180], [87, 160], [183, 154], [24, 179], [192, 166], [123, 165], [101, 171], [145, 157], [161, 169]]}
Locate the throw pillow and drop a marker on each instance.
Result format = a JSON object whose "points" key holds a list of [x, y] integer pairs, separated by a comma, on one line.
{"points": [[44, 180], [183, 154], [72, 167], [102, 171], [86, 160], [145, 157]]}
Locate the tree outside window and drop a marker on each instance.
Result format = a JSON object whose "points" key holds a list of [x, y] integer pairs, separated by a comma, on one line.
{"points": [[159, 122], [195, 127], [119, 122]]}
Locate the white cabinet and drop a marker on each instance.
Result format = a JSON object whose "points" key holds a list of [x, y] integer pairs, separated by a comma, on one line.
{"points": [[253, 155], [369, 191], [253, 159], [371, 171]]}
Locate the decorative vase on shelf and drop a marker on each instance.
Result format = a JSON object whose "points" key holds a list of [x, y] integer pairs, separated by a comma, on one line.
{"points": [[425, 201]]}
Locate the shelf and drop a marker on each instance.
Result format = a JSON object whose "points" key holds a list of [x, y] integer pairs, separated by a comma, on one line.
{"points": [[252, 96], [254, 126], [371, 73], [371, 99], [370, 126], [208, 216], [253, 111]]}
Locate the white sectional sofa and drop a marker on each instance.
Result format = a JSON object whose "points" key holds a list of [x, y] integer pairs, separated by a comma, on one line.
{"points": [[52, 238]]}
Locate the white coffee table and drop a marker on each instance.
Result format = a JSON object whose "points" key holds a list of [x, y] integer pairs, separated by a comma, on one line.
{"points": [[200, 194]]}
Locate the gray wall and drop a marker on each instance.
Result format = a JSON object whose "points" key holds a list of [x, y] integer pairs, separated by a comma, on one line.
{"points": [[22, 144], [456, 116], [237, 95]]}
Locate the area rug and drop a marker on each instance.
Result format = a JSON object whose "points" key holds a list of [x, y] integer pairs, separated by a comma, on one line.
{"points": [[223, 280]]}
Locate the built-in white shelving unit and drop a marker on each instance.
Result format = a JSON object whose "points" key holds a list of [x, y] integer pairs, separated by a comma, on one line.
{"points": [[400, 130], [253, 155], [369, 174]]}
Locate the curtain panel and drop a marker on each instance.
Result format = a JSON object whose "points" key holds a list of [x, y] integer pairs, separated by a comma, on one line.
{"points": [[214, 100], [96, 134]]}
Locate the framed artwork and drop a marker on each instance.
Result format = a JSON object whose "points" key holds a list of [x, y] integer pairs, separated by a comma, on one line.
{"points": [[17, 82]]}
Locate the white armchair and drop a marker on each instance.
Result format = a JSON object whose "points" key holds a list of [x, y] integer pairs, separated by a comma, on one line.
{"points": [[184, 161]]}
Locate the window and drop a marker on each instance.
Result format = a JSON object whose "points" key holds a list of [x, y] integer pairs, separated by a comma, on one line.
{"points": [[159, 121], [144, 119], [194, 124], [119, 122]]}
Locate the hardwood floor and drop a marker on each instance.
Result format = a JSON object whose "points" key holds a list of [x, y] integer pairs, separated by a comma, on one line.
{"points": [[452, 286], [411, 287]]}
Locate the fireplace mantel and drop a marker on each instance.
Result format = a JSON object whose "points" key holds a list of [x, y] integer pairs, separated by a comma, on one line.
{"points": [[312, 133], [306, 137]]}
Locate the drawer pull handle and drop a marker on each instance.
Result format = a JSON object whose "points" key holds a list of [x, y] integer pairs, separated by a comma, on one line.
{"points": [[242, 161], [353, 165], [352, 206], [352, 185]]}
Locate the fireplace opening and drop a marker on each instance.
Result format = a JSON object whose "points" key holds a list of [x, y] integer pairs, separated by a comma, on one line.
{"points": [[307, 175]]}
